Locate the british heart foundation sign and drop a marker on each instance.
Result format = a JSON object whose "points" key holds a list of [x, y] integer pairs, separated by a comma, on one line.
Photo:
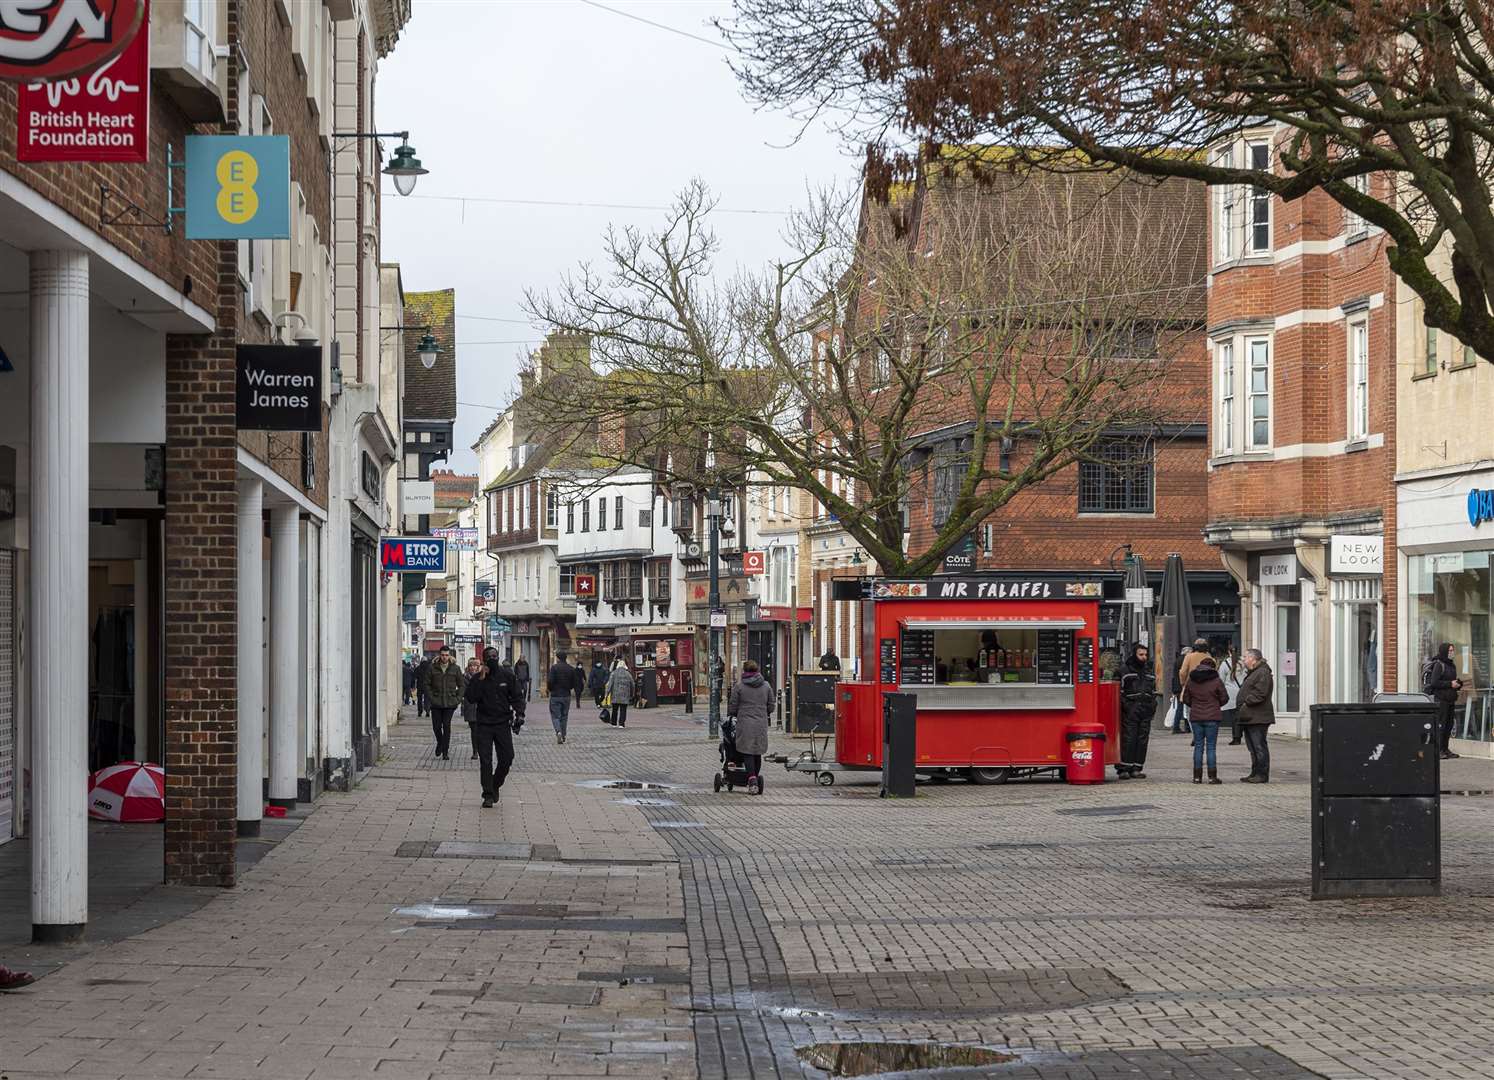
{"points": [[54, 39], [99, 115]]}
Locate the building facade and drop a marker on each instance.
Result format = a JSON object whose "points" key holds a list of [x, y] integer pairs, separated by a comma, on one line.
{"points": [[1303, 338], [1444, 495], [182, 562]]}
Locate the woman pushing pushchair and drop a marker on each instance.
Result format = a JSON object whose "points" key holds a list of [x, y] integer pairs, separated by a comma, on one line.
{"points": [[745, 735]]}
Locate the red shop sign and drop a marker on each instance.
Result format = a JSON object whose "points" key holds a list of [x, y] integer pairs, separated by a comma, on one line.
{"points": [[52, 39], [103, 115]]}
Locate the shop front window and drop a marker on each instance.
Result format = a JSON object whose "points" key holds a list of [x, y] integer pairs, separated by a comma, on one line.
{"points": [[1356, 637], [1288, 649], [1450, 599]]}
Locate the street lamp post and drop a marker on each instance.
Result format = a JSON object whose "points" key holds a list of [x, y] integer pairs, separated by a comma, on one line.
{"points": [[713, 516]]}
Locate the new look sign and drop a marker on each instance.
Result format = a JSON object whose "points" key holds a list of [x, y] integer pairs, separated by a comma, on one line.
{"points": [[279, 387], [412, 554]]}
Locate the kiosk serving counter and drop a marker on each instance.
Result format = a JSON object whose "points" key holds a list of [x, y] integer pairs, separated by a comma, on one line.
{"points": [[1001, 668]]}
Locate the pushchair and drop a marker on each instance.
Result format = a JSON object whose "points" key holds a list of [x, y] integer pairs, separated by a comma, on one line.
{"points": [[733, 772]]}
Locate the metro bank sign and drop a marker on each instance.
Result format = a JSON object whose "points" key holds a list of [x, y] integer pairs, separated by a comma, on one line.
{"points": [[1480, 506], [412, 554], [53, 39]]}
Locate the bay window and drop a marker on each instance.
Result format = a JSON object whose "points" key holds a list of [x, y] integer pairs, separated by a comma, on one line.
{"points": [[1259, 351], [1358, 425], [1242, 394], [1242, 215]]}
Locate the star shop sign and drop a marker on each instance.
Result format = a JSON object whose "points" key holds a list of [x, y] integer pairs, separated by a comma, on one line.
{"points": [[52, 39]]}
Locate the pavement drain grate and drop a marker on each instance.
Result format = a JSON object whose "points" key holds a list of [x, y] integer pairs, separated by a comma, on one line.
{"points": [[550, 925], [634, 800], [638, 976], [1106, 811], [876, 1059], [1468, 791]]}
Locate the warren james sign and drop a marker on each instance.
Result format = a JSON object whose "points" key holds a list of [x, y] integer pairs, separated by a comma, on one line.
{"points": [[279, 387], [412, 554], [52, 39], [103, 115]]}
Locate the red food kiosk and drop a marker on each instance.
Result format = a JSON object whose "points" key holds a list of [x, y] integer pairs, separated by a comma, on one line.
{"points": [[1003, 670], [668, 651]]}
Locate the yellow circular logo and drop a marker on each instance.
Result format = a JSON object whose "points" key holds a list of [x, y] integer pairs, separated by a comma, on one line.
{"points": [[237, 202]]}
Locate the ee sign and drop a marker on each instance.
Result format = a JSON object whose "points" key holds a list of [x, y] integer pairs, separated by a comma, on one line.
{"points": [[238, 187], [52, 39], [412, 554], [279, 387]]}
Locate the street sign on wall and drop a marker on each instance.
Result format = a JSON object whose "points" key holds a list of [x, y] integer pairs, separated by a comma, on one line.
{"points": [[417, 497], [279, 387], [52, 39], [754, 562], [586, 586], [100, 115], [238, 187], [418, 554]]}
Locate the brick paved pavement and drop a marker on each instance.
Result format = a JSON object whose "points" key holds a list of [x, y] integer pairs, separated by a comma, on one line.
{"points": [[1152, 929]]}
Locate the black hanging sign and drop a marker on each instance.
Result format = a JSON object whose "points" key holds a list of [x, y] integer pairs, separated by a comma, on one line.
{"points": [[279, 387]]}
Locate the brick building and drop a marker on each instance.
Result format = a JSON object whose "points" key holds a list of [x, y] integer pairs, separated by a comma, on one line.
{"points": [[1147, 487], [150, 540], [1302, 327]]}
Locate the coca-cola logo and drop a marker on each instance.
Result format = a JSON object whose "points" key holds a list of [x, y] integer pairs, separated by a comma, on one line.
{"points": [[51, 39]]}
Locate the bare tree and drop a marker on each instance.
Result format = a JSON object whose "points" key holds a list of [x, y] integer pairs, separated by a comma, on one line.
{"points": [[1385, 105], [967, 338]]}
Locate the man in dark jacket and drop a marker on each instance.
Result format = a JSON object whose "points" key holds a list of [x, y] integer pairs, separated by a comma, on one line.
{"points": [[1138, 705], [521, 676], [1442, 679], [829, 662], [596, 682], [447, 687], [1256, 713], [496, 696], [423, 687], [409, 682], [561, 682]]}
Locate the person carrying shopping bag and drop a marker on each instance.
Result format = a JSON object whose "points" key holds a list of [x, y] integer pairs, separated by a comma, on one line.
{"points": [[620, 687]]}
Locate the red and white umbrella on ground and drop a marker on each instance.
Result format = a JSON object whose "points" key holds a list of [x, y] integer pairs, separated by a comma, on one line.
{"points": [[128, 792]]}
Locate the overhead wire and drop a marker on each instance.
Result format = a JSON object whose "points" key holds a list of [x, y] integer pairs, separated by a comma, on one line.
{"points": [[660, 26]]}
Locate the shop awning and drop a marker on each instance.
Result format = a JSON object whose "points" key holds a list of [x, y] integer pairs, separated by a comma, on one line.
{"points": [[953, 623]]}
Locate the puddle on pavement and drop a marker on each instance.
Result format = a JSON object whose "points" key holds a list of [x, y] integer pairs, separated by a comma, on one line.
{"points": [[875, 1059], [625, 785], [635, 800], [444, 911]]}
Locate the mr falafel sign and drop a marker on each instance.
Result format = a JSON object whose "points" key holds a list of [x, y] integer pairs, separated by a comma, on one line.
{"points": [[279, 387], [54, 39]]}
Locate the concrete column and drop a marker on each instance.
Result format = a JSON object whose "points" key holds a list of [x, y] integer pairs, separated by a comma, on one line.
{"points": [[251, 545], [59, 594], [286, 665]]}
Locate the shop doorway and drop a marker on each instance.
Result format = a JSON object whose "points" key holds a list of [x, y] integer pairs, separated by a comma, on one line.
{"points": [[1356, 638], [761, 646], [1286, 658], [123, 661]]}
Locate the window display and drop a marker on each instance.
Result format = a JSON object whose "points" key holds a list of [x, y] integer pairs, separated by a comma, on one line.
{"points": [[973, 656], [1451, 595]]}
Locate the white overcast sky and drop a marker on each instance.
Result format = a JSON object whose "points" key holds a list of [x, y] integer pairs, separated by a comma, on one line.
{"points": [[560, 100]]}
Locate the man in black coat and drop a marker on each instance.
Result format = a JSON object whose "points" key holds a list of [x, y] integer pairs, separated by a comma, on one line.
{"points": [[496, 695], [423, 687], [1138, 691], [829, 662], [1442, 679], [562, 681]]}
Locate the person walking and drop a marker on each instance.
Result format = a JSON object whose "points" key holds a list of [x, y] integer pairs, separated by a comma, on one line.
{"points": [[423, 687], [447, 689], [496, 696], [620, 687], [596, 682], [1205, 696], [1256, 714], [751, 705], [829, 662], [1230, 673], [560, 681], [469, 709], [409, 683], [1138, 705], [521, 676], [1442, 682]]}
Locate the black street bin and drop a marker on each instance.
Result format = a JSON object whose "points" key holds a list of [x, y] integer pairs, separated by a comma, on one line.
{"points": [[899, 725], [814, 702], [1376, 813]]}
